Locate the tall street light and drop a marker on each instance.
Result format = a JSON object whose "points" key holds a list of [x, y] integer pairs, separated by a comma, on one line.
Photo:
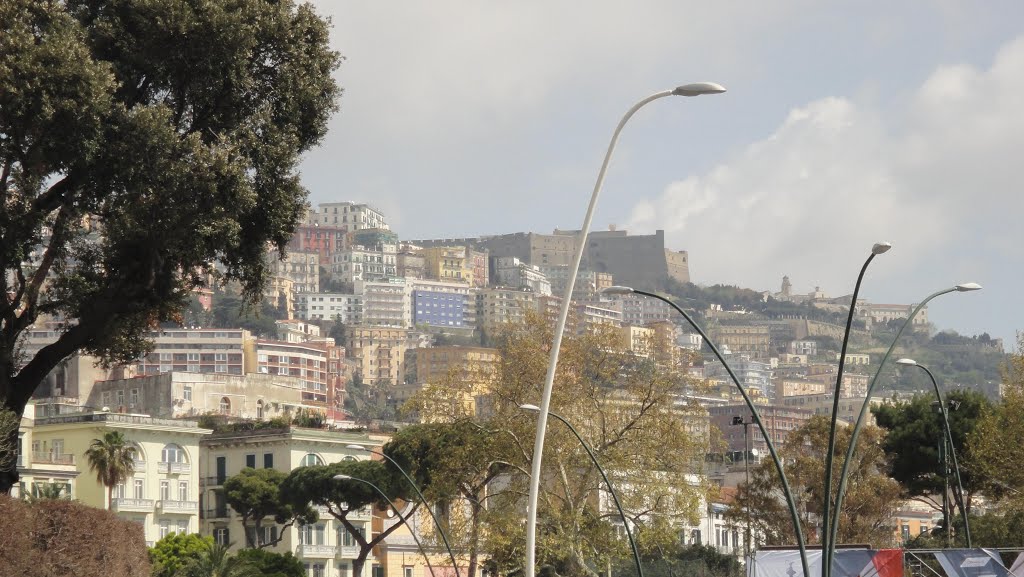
{"points": [[828, 552], [790, 502], [877, 249], [412, 530], [625, 521], [437, 523], [736, 421], [696, 89], [949, 438]]}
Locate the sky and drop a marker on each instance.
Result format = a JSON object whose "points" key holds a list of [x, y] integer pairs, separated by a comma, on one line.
{"points": [[844, 124]]}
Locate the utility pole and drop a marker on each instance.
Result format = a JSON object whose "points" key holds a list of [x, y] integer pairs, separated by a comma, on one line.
{"points": [[746, 474]]}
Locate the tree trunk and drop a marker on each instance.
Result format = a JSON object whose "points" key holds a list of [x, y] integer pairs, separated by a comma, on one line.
{"points": [[359, 561], [474, 538], [14, 402], [110, 497]]}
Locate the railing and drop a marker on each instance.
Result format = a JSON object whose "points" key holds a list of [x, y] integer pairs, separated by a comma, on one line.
{"points": [[215, 513], [53, 458], [212, 481], [187, 507], [122, 504], [348, 551], [139, 464], [167, 467], [324, 551]]}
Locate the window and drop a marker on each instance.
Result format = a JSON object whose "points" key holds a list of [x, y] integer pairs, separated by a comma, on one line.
{"points": [[220, 368], [165, 490], [225, 405], [139, 487], [318, 570], [165, 528], [268, 460], [120, 397], [192, 368], [250, 461], [406, 571], [119, 491], [311, 459], [259, 409], [221, 536], [188, 392], [172, 454], [133, 396], [183, 527], [183, 490], [222, 470], [193, 357]]}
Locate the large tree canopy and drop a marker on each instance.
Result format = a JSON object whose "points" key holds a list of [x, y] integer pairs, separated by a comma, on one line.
{"points": [[143, 144]]}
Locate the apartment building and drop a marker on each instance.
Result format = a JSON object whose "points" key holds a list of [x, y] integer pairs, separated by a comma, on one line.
{"points": [[588, 286], [306, 362], [386, 303], [345, 308], [350, 216], [752, 340], [849, 407], [325, 547], [499, 306], [778, 420], [41, 463], [638, 310], [448, 263], [753, 374], [219, 351], [440, 304], [511, 272], [162, 494], [638, 340], [379, 353], [302, 267], [360, 263], [324, 240]]}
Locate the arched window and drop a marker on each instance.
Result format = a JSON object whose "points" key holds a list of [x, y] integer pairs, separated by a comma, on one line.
{"points": [[225, 405], [138, 456], [173, 453], [312, 459], [259, 409]]}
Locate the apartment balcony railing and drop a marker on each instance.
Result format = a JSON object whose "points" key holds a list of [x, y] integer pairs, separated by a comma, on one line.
{"points": [[212, 481], [139, 464], [318, 551], [184, 507], [175, 468], [53, 458], [215, 513], [348, 551], [138, 505]]}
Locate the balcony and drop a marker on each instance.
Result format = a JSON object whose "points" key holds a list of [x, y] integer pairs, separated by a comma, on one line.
{"points": [[348, 551], [316, 551], [136, 505], [224, 513], [173, 468], [212, 481], [182, 507], [51, 458]]}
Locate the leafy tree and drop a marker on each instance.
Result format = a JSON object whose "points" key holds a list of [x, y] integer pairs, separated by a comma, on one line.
{"points": [[255, 494], [914, 431], [48, 491], [994, 449], [145, 146], [343, 498], [453, 462], [681, 560], [112, 458], [624, 407], [270, 564], [233, 311], [215, 560], [177, 550], [871, 496]]}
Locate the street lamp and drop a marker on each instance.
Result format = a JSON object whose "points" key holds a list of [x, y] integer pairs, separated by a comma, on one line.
{"points": [[829, 551], [625, 521], [790, 502], [419, 493], [696, 89], [877, 249], [948, 438], [412, 530], [736, 421]]}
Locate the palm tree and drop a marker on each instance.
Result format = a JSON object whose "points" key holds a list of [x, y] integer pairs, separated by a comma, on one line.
{"points": [[113, 460], [215, 561]]}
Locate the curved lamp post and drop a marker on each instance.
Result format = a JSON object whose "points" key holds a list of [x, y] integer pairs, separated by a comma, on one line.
{"points": [[753, 410], [949, 437], [397, 512], [625, 521], [877, 249], [437, 523], [696, 89], [829, 552]]}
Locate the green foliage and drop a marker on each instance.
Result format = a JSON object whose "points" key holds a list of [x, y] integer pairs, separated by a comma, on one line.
{"points": [[256, 494], [679, 560], [48, 491], [914, 431], [310, 418], [232, 311], [112, 458], [270, 564], [147, 147], [990, 529], [215, 560], [177, 550]]}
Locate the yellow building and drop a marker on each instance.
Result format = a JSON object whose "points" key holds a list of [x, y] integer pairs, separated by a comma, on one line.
{"points": [[753, 340], [638, 340], [447, 263], [497, 307], [326, 548], [379, 352], [162, 494], [40, 463]]}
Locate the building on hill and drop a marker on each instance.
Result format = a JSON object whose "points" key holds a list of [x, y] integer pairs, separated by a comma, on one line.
{"points": [[639, 310], [350, 216], [364, 263], [873, 313], [588, 286], [499, 306], [409, 263], [162, 494], [511, 272], [341, 307], [778, 420], [441, 305], [753, 374], [751, 340], [821, 404], [379, 353], [41, 464], [386, 303]]}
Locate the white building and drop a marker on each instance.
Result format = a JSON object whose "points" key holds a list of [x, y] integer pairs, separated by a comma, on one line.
{"points": [[386, 303], [349, 265], [511, 272], [349, 216], [346, 308]]}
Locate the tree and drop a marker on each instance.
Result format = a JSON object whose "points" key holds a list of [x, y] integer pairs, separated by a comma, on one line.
{"points": [[255, 494], [343, 498], [453, 463], [994, 449], [145, 147], [215, 560], [175, 551], [270, 564], [914, 431], [625, 407], [112, 458], [871, 496]]}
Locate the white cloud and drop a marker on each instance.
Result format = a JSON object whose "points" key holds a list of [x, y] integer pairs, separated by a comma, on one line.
{"points": [[838, 174]]}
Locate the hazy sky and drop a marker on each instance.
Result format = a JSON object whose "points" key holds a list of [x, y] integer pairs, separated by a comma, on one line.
{"points": [[845, 123]]}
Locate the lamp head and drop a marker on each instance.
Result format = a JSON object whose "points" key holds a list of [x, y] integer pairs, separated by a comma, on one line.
{"points": [[737, 420], [342, 478], [968, 286], [529, 407], [698, 88], [881, 247], [357, 448], [617, 290], [907, 362]]}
